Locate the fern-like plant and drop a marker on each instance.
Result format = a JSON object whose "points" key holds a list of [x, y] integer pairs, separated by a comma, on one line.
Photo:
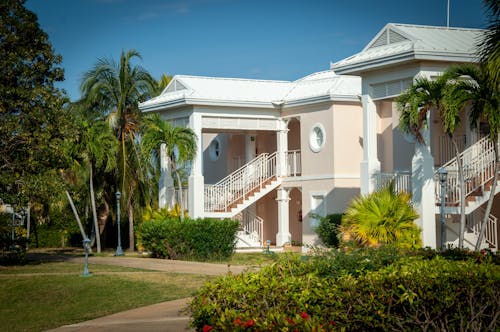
{"points": [[382, 217]]}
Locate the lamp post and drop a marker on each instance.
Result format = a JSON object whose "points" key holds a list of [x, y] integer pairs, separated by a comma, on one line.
{"points": [[86, 246], [13, 231], [119, 251], [443, 175]]}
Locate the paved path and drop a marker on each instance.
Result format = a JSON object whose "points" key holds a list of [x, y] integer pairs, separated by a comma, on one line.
{"points": [[166, 316]]}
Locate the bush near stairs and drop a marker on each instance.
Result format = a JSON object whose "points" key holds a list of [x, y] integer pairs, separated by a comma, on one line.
{"points": [[189, 239]]}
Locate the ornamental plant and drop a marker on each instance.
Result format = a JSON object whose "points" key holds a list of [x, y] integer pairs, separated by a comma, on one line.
{"points": [[412, 293], [382, 217], [189, 239]]}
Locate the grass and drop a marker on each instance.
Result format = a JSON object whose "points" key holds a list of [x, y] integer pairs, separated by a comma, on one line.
{"points": [[249, 258], [43, 296]]}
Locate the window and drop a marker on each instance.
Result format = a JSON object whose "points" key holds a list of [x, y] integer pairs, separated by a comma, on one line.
{"points": [[317, 208], [317, 137], [214, 149]]}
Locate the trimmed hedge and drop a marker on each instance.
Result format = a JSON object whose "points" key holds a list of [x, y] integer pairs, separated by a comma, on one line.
{"points": [[412, 293], [199, 239]]}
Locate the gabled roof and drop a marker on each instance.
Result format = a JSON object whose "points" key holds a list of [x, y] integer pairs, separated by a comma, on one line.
{"points": [[397, 43], [199, 90]]}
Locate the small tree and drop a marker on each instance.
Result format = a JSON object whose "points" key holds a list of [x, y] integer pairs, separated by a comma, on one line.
{"points": [[382, 217], [176, 139]]}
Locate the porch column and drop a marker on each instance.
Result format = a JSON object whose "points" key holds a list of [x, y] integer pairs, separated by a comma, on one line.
{"points": [[282, 148], [423, 189], [166, 192], [370, 165], [196, 180], [249, 147], [283, 235]]}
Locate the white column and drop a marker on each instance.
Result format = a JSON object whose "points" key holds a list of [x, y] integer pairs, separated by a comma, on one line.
{"points": [[423, 189], [370, 165], [196, 180], [166, 192], [249, 147], [282, 148], [283, 200]]}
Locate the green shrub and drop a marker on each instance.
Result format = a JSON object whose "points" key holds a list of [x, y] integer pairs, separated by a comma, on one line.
{"points": [[413, 293], [328, 230], [200, 239], [55, 236], [382, 217]]}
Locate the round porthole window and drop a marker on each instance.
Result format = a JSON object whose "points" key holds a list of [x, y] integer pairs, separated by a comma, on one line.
{"points": [[317, 137], [214, 149]]}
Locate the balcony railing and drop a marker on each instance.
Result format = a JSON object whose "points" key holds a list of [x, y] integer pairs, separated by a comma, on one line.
{"points": [[401, 179]]}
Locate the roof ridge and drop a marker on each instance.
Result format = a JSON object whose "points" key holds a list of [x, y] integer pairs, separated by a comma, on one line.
{"points": [[232, 79], [432, 26]]}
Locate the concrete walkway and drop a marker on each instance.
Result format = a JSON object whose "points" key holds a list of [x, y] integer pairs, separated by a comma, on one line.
{"points": [[166, 316]]}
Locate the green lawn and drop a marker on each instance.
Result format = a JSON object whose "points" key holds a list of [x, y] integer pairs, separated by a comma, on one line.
{"points": [[42, 296]]}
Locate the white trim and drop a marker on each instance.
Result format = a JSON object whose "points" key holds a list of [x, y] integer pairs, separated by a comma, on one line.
{"points": [[213, 152], [320, 194], [322, 177], [313, 137]]}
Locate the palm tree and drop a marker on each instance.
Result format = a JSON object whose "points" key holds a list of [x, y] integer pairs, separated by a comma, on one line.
{"points": [[118, 88], [426, 95], [97, 147], [479, 92], [180, 145], [382, 217], [490, 45]]}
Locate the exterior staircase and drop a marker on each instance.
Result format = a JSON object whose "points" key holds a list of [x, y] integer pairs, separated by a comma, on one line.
{"points": [[251, 232], [243, 187], [231, 196], [478, 163]]}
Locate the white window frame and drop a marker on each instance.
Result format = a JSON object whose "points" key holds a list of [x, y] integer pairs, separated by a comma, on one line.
{"points": [[314, 209], [313, 138], [213, 153]]}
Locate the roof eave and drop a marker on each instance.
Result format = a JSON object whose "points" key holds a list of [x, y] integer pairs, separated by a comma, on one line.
{"points": [[360, 67], [204, 102], [162, 105], [321, 99]]}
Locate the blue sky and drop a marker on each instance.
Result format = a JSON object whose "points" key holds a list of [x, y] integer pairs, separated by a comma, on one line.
{"points": [[282, 40]]}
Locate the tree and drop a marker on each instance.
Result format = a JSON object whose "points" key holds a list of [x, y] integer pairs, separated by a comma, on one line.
{"points": [[474, 88], [425, 95], [118, 88], [382, 217], [97, 147], [33, 120], [161, 84], [490, 45], [180, 145]]}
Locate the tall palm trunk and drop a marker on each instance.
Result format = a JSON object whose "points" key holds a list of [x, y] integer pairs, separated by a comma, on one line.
{"points": [[462, 193], [130, 212], [73, 208], [490, 200], [179, 186], [94, 211]]}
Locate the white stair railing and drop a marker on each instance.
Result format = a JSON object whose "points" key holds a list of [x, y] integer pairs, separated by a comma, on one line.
{"points": [[478, 162], [252, 224], [238, 185], [473, 223]]}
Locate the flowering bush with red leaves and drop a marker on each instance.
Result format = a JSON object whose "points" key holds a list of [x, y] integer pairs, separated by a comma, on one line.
{"points": [[412, 293]]}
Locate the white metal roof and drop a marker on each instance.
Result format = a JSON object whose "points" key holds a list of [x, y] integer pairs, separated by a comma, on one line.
{"points": [[199, 90], [403, 42]]}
